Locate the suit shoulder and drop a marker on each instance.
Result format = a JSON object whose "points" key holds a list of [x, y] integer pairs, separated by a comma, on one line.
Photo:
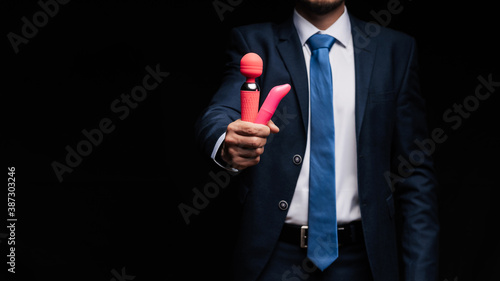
{"points": [[255, 29], [395, 36], [381, 34], [255, 37]]}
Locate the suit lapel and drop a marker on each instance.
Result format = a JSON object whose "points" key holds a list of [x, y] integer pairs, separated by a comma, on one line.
{"points": [[291, 53], [364, 55]]}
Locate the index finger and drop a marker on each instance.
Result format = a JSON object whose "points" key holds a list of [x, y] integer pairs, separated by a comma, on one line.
{"points": [[244, 128]]}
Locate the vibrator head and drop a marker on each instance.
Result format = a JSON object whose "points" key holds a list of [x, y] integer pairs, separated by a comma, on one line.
{"points": [[271, 103], [251, 66]]}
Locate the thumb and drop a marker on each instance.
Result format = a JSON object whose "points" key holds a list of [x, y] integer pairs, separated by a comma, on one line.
{"points": [[273, 127]]}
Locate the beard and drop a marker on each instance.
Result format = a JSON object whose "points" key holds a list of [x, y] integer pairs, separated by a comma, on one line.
{"points": [[321, 7]]}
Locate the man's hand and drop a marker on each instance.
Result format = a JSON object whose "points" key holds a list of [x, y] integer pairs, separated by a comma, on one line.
{"points": [[244, 143]]}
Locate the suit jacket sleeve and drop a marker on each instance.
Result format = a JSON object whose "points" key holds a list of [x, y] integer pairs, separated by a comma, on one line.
{"points": [[414, 182], [224, 107]]}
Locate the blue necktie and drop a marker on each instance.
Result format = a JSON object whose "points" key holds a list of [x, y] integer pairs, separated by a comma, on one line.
{"points": [[322, 245]]}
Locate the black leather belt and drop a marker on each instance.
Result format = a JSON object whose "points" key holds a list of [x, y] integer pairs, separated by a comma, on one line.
{"points": [[350, 233]]}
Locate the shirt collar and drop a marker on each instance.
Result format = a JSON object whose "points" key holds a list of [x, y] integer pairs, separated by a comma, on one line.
{"points": [[341, 29]]}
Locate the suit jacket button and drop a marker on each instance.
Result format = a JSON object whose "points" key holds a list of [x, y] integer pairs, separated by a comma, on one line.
{"points": [[297, 159], [283, 205]]}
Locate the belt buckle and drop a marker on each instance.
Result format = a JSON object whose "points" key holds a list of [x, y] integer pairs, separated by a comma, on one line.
{"points": [[303, 236]]}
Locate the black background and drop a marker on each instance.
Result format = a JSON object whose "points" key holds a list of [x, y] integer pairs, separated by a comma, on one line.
{"points": [[118, 209]]}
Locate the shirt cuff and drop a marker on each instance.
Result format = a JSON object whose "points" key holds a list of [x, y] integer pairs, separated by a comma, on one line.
{"points": [[218, 160]]}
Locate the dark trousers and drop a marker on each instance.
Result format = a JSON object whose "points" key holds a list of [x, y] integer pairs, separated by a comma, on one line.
{"points": [[289, 263]]}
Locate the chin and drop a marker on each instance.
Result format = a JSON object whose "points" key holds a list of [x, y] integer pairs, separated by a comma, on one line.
{"points": [[320, 7]]}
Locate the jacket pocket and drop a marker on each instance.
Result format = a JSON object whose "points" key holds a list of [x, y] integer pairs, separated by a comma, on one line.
{"points": [[382, 96]]}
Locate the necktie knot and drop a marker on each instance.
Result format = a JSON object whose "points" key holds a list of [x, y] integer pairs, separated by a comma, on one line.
{"points": [[318, 41]]}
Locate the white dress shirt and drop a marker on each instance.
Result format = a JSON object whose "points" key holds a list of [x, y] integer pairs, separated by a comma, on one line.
{"points": [[342, 63]]}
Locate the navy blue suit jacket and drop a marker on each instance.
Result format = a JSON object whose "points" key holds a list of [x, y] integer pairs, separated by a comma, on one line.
{"points": [[398, 206]]}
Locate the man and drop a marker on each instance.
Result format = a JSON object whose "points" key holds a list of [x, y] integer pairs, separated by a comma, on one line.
{"points": [[335, 195]]}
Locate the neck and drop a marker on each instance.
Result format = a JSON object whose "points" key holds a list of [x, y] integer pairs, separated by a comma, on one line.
{"points": [[322, 22]]}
